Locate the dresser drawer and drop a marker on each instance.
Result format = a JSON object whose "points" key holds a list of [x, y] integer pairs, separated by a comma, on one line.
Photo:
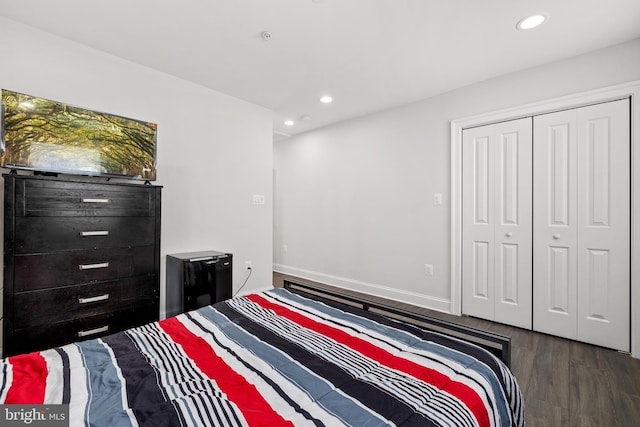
{"points": [[48, 234], [61, 333], [43, 307], [61, 198], [42, 271]]}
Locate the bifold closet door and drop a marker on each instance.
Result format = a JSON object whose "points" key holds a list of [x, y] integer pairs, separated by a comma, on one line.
{"points": [[581, 224], [496, 222]]}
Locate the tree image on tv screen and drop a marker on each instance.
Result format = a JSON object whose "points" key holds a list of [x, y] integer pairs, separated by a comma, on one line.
{"points": [[45, 135]]}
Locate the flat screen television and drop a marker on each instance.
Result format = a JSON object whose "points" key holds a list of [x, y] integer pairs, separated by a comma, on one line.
{"points": [[46, 136]]}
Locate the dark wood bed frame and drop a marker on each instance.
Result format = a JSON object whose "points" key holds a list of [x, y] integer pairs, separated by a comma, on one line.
{"points": [[500, 345]]}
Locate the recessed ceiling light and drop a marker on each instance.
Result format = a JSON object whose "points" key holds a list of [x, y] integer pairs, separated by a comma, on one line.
{"points": [[326, 99], [289, 123], [531, 22]]}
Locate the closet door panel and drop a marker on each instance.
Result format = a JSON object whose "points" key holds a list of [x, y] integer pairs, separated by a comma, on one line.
{"points": [[478, 212], [582, 224], [604, 208], [554, 224], [497, 222], [512, 232], [560, 160]]}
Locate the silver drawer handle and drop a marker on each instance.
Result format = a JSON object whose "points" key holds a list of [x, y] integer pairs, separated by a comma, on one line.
{"points": [[556, 236], [93, 331], [92, 266], [89, 200], [93, 299], [94, 233]]}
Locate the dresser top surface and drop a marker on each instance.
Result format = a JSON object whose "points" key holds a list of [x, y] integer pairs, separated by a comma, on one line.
{"points": [[82, 180]]}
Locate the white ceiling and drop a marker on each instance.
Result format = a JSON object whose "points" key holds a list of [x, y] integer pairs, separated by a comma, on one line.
{"points": [[369, 55]]}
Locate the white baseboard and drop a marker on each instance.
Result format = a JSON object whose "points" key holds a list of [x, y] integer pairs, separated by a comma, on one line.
{"points": [[413, 298]]}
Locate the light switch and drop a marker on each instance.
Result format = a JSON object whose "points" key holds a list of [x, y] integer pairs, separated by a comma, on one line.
{"points": [[437, 199], [258, 199]]}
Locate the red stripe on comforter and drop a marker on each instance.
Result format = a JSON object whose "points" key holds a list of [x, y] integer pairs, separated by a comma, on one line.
{"points": [[29, 380], [461, 391], [255, 409]]}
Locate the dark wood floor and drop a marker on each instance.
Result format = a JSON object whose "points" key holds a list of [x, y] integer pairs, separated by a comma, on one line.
{"points": [[564, 383]]}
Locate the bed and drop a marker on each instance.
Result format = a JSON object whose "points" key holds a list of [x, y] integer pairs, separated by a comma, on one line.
{"points": [[280, 357]]}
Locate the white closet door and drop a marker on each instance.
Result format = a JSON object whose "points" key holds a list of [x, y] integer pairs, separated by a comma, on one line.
{"points": [[477, 222], [496, 210], [604, 239], [554, 222], [582, 224]]}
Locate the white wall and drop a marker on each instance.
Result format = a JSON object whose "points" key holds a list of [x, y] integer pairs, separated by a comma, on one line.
{"points": [[354, 202], [214, 151]]}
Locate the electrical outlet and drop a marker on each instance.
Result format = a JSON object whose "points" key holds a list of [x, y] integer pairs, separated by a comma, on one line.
{"points": [[428, 269], [247, 265]]}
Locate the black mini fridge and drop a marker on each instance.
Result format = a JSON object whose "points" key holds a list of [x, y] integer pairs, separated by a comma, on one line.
{"points": [[197, 279]]}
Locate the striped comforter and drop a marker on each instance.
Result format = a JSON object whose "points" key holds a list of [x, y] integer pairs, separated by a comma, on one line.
{"points": [[275, 359]]}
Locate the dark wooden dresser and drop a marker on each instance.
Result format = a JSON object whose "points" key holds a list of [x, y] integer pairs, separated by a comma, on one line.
{"points": [[81, 260]]}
